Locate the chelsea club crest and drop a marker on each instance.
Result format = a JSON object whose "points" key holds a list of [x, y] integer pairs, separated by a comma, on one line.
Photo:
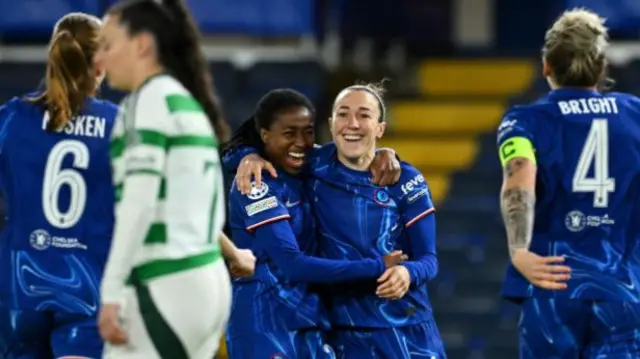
{"points": [[381, 197]]}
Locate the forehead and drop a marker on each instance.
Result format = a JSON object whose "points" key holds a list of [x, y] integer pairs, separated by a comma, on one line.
{"points": [[294, 117], [354, 99], [111, 25]]}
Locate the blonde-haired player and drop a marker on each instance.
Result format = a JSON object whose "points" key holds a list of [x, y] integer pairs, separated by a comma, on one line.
{"points": [[572, 161]]}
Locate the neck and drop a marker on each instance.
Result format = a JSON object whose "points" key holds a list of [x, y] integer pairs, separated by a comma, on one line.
{"points": [[144, 74], [554, 86], [359, 164]]}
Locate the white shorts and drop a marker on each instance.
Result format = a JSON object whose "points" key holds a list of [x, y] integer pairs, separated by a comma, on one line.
{"points": [[178, 316]]}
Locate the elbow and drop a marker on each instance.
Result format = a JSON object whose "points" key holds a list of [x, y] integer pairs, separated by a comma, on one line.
{"points": [[291, 269], [435, 267]]}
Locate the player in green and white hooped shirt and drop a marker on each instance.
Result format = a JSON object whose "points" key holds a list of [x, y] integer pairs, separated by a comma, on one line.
{"points": [[164, 277]]}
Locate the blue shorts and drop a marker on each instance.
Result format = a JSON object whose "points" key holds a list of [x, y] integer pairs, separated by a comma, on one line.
{"points": [[300, 344], [26, 334], [574, 328], [415, 341]]}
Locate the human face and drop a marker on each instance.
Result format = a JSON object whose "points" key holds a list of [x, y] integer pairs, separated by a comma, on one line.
{"points": [[355, 127], [116, 54], [289, 139]]}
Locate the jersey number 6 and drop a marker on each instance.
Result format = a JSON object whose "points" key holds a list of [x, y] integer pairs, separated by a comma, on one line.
{"points": [[55, 177]]}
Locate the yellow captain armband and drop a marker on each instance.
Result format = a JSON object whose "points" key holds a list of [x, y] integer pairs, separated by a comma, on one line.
{"points": [[517, 147]]}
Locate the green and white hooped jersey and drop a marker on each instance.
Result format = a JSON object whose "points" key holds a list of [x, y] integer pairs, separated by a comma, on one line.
{"points": [[163, 131]]}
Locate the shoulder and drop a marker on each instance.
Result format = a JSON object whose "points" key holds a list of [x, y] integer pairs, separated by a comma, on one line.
{"points": [[13, 105], [10, 110], [270, 187], [322, 154], [525, 121], [154, 97], [163, 91], [411, 180], [25, 106], [625, 100], [107, 107], [410, 173]]}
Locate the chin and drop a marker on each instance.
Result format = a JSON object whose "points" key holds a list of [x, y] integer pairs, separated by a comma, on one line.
{"points": [[292, 170], [117, 86]]}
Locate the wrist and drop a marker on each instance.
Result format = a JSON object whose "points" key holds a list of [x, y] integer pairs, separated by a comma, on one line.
{"points": [[515, 252], [408, 266]]}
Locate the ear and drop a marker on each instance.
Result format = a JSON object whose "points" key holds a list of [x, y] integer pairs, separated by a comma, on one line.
{"points": [[330, 120], [546, 68], [144, 44], [264, 135], [380, 128], [99, 74]]}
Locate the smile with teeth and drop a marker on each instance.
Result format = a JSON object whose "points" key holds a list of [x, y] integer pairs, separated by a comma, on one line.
{"points": [[353, 137], [297, 155]]}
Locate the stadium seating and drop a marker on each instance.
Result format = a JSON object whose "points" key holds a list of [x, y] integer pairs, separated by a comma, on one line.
{"points": [[447, 130], [239, 89]]}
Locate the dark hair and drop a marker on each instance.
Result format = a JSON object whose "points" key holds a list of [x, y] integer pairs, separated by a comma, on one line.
{"points": [[178, 44], [265, 114], [70, 78]]}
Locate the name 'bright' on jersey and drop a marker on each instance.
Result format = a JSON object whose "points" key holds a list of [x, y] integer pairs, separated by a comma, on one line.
{"points": [[587, 151]]}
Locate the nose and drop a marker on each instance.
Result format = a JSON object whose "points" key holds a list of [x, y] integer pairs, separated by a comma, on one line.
{"points": [[352, 122], [299, 141]]}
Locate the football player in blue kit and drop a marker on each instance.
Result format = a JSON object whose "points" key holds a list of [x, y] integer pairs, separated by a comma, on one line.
{"points": [[55, 178], [390, 317], [275, 310], [572, 161]]}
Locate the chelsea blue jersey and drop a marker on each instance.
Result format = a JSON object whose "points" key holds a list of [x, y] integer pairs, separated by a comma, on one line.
{"points": [[587, 149], [268, 297], [356, 220], [59, 200]]}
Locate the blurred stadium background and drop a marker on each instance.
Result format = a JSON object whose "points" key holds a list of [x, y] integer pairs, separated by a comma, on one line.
{"points": [[453, 65]]}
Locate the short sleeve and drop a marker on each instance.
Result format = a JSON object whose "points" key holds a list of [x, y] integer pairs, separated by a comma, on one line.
{"points": [[515, 137], [414, 196], [514, 123], [261, 206]]}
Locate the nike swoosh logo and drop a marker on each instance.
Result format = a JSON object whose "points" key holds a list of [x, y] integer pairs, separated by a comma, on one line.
{"points": [[292, 204]]}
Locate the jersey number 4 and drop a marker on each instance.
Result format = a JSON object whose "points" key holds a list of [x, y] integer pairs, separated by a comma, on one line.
{"points": [[55, 177], [595, 152]]}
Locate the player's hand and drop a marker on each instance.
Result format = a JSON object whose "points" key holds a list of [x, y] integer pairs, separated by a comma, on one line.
{"points": [[243, 263], [544, 272], [110, 326], [250, 169], [393, 283], [394, 258], [385, 168]]}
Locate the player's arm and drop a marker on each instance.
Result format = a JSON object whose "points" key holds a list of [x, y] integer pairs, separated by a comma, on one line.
{"points": [[268, 219], [229, 250], [279, 242], [144, 162], [517, 203], [241, 262], [249, 165], [517, 196], [418, 214]]}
